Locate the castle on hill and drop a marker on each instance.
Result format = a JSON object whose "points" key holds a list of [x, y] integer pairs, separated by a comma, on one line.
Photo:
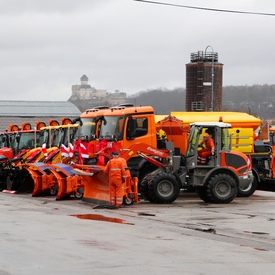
{"points": [[84, 96]]}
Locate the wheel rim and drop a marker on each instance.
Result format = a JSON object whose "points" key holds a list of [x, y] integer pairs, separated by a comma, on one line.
{"points": [[53, 190], [128, 201], [165, 188], [247, 188], [223, 189], [78, 195]]}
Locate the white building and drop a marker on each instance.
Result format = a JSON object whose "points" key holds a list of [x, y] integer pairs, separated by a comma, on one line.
{"points": [[84, 91]]}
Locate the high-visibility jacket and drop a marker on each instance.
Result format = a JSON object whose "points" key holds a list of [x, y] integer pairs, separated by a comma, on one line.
{"points": [[208, 149], [115, 168], [127, 172], [209, 144]]}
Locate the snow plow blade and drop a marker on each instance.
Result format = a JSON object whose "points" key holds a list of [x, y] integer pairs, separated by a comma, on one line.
{"points": [[43, 180], [96, 185], [97, 188], [68, 182]]}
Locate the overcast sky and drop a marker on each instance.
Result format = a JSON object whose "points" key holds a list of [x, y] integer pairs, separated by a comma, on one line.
{"points": [[125, 45]]}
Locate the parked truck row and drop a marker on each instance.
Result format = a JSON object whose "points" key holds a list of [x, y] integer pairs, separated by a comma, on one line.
{"points": [[163, 164]]}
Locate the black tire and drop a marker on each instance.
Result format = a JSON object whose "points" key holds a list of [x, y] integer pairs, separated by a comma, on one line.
{"points": [[247, 192], [128, 201], [222, 188], [202, 193], [164, 188], [143, 171], [144, 189], [9, 183], [13, 183], [53, 190]]}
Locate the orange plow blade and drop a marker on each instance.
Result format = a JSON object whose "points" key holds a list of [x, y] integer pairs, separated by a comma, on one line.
{"points": [[96, 185], [44, 180], [68, 183]]}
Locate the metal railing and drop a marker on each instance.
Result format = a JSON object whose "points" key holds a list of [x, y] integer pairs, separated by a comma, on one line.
{"points": [[201, 56]]}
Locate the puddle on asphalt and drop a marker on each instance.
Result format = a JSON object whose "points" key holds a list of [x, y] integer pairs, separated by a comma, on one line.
{"points": [[146, 214], [97, 217], [260, 249], [256, 248], [257, 233]]}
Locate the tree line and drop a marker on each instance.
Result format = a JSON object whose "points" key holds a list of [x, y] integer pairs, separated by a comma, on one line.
{"points": [[257, 100]]}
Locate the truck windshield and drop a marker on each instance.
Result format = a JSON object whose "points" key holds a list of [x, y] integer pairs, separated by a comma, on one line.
{"points": [[57, 137], [195, 131], [69, 135], [44, 136], [13, 142], [27, 140], [87, 128], [112, 125], [225, 139], [51, 137], [3, 141]]}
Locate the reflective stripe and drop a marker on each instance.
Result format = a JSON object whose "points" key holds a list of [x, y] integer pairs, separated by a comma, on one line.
{"points": [[113, 169]]}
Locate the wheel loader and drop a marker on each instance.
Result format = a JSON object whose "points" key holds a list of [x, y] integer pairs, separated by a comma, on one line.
{"points": [[217, 181]]}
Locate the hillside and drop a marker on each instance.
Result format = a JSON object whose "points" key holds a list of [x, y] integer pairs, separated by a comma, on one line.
{"points": [[164, 101], [258, 100]]}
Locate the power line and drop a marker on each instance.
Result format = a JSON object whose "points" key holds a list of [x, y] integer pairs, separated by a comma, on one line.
{"points": [[206, 9]]}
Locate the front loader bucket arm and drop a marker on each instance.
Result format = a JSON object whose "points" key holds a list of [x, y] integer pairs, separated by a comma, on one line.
{"points": [[144, 149]]}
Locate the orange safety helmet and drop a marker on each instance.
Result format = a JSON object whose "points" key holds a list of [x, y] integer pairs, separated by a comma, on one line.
{"points": [[205, 135]]}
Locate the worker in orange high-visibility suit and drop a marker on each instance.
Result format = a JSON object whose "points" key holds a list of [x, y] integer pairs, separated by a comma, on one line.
{"points": [[115, 169], [208, 148]]}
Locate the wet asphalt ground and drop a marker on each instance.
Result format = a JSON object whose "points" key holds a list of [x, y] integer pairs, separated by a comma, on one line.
{"points": [[43, 236]]}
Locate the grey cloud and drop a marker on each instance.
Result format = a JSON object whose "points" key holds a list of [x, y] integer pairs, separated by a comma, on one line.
{"points": [[46, 46], [48, 6]]}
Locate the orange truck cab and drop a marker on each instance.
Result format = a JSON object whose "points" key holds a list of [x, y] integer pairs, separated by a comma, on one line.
{"points": [[129, 125]]}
